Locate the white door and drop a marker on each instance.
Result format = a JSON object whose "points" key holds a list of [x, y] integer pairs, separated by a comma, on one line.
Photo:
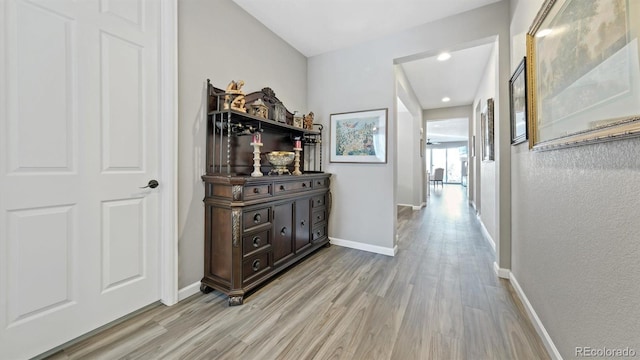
{"points": [[78, 138]]}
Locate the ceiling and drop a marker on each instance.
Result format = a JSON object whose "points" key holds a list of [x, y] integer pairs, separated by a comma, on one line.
{"points": [[318, 26], [314, 27], [448, 130], [457, 78]]}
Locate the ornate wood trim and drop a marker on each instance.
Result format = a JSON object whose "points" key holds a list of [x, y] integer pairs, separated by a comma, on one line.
{"points": [[236, 192], [236, 219], [235, 300]]}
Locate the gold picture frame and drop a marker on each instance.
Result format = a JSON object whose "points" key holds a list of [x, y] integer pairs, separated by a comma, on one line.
{"points": [[583, 74]]}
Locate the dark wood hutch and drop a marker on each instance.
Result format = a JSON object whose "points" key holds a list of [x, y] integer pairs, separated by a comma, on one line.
{"points": [[256, 227]]}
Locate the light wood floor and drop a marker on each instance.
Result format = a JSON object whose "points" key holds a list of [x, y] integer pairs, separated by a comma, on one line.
{"points": [[437, 299]]}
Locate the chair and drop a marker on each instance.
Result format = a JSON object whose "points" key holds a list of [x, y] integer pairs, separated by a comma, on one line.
{"points": [[438, 175]]}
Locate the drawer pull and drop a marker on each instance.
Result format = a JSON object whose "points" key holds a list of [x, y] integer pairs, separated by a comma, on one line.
{"points": [[256, 190], [318, 201], [281, 187], [256, 218], [283, 232], [304, 185], [317, 234], [302, 222], [256, 241], [255, 265], [318, 217], [319, 182]]}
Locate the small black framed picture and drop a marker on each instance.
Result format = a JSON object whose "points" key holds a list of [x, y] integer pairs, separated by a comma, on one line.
{"points": [[518, 104]]}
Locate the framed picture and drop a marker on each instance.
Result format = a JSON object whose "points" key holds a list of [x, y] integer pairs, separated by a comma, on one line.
{"points": [[583, 71], [487, 132], [518, 104], [359, 137]]}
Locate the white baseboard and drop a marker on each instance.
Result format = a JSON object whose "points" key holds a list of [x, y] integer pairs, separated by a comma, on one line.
{"points": [[188, 290], [500, 272], [414, 207], [542, 332], [486, 234], [365, 247]]}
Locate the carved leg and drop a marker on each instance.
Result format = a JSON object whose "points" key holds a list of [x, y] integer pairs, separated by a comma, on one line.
{"points": [[205, 289], [235, 300]]}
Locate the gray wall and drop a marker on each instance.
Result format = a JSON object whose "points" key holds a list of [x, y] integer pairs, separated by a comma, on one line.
{"points": [[575, 232], [488, 169], [220, 41], [362, 77]]}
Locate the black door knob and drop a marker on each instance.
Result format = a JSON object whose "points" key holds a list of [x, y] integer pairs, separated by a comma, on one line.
{"points": [[152, 184]]}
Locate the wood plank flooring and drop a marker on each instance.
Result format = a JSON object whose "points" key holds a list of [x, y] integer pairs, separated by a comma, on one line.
{"points": [[438, 298]]}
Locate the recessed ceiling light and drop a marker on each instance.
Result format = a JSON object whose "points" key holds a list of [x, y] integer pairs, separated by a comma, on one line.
{"points": [[444, 56], [446, 99], [543, 32]]}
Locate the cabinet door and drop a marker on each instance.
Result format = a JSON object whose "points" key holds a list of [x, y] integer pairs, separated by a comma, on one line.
{"points": [[282, 232], [303, 224]]}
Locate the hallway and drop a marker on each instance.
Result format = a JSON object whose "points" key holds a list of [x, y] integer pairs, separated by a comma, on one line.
{"points": [[438, 298]]}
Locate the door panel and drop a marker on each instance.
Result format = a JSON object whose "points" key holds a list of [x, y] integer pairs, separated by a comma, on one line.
{"points": [[37, 92], [283, 232], [78, 138], [303, 225], [123, 240], [41, 241]]}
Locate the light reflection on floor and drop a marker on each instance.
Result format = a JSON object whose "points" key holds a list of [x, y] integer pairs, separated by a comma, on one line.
{"points": [[449, 198]]}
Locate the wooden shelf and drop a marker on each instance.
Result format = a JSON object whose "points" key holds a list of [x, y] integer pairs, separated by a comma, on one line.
{"points": [[262, 122]]}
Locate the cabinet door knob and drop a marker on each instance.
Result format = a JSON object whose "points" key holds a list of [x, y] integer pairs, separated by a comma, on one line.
{"points": [[282, 187], [255, 265], [304, 185], [256, 241], [256, 218], [302, 222], [283, 232], [256, 190], [318, 217]]}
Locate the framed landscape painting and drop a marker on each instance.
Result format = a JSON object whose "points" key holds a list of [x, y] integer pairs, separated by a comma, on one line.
{"points": [[583, 73], [359, 137]]}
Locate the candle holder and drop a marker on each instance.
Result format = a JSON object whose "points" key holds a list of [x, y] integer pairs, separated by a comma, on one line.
{"points": [[296, 161], [256, 159]]}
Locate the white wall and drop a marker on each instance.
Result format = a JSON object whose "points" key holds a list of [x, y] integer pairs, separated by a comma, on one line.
{"points": [[219, 41], [575, 232], [488, 89], [362, 77], [410, 164]]}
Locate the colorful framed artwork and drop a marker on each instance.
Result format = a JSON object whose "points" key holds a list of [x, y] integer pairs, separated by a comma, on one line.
{"points": [[359, 137]]}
